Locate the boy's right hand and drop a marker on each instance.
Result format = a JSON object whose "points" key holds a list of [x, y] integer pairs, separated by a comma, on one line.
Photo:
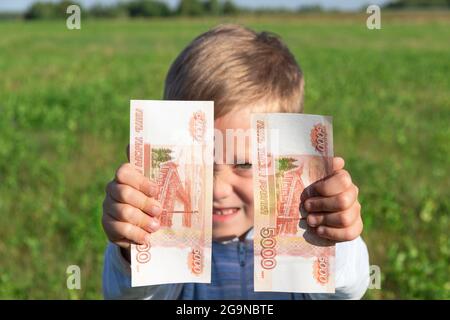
{"points": [[129, 208]]}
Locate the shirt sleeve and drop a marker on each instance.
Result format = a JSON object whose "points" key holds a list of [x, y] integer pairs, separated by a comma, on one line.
{"points": [[352, 271], [117, 280]]}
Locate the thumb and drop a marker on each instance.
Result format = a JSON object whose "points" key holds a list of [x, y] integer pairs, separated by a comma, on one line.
{"points": [[338, 163]]}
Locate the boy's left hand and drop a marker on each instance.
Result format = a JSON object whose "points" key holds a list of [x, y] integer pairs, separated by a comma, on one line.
{"points": [[332, 205]]}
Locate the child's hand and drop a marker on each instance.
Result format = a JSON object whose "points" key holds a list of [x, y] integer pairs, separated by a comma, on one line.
{"points": [[332, 205], [129, 208]]}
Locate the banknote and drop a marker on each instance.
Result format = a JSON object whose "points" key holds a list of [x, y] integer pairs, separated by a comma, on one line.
{"points": [[289, 152], [171, 142]]}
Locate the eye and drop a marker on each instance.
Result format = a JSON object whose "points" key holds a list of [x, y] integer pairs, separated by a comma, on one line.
{"points": [[243, 166]]}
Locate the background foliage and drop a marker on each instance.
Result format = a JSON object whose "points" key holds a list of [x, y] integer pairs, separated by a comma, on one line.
{"points": [[64, 126]]}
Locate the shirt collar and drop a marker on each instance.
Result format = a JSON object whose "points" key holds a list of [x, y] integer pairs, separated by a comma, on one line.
{"points": [[248, 236]]}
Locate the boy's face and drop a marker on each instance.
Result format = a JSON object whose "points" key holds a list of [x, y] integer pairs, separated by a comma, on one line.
{"points": [[233, 185]]}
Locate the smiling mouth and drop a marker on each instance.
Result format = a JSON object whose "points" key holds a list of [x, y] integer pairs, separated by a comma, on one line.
{"points": [[225, 211]]}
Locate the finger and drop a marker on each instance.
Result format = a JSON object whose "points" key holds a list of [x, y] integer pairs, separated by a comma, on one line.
{"points": [[127, 174], [341, 234], [340, 202], [128, 195], [119, 231], [126, 213], [343, 219], [330, 186], [338, 163]]}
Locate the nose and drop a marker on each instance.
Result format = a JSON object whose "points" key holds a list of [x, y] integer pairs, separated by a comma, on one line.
{"points": [[221, 188]]}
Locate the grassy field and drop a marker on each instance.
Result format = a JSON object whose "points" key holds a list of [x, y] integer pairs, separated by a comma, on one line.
{"points": [[64, 117]]}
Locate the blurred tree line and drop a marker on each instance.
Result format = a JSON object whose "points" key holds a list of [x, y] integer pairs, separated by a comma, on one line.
{"points": [[158, 8], [134, 8], [407, 4]]}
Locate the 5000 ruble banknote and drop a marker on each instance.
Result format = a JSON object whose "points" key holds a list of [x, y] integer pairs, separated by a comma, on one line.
{"points": [[289, 152], [171, 142]]}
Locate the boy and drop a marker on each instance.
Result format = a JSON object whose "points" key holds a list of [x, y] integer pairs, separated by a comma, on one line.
{"points": [[242, 72]]}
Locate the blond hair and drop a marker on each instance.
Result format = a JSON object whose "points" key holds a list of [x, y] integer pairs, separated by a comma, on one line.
{"points": [[235, 66]]}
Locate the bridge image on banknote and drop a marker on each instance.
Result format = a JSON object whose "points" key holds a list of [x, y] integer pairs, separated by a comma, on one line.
{"points": [[172, 191], [288, 204]]}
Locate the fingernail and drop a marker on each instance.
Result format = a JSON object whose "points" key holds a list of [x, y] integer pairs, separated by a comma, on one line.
{"points": [[312, 221], [156, 210], [154, 225], [320, 230]]}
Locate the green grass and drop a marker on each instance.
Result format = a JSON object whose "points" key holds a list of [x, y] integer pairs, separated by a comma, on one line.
{"points": [[64, 117]]}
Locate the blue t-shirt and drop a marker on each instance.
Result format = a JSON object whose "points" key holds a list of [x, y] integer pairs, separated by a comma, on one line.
{"points": [[232, 276]]}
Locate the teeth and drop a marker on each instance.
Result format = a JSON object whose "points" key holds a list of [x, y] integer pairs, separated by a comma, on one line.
{"points": [[224, 212]]}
